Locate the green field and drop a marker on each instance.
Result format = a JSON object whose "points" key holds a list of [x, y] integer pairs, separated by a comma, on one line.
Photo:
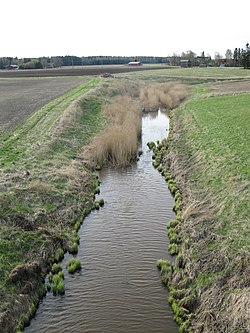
{"points": [[210, 159], [192, 75], [218, 129]]}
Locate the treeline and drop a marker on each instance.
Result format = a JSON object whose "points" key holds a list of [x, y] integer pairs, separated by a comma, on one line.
{"points": [[240, 57], [110, 60], [54, 62]]}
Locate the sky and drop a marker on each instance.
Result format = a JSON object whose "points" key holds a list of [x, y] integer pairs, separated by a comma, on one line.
{"points": [[31, 28]]}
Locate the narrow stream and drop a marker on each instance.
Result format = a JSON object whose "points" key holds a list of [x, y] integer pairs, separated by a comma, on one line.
{"points": [[118, 289]]}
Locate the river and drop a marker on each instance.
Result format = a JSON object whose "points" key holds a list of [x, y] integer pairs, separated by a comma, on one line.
{"points": [[118, 289]]}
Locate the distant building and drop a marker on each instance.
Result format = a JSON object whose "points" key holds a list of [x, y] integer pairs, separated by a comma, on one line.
{"points": [[185, 63], [203, 61], [135, 63]]}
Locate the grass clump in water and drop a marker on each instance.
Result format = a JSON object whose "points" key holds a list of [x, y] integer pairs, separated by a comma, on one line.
{"points": [[166, 270], [58, 287], [73, 248], [73, 265]]}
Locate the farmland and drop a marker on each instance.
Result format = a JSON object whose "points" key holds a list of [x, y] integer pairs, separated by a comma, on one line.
{"points": [[209, 159], [20, 97], [78, 71], [46, 124]]}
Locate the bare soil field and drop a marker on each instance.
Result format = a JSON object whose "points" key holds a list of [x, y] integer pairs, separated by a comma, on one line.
{"points": [[231, 87], [20, 97], [77, 71]]}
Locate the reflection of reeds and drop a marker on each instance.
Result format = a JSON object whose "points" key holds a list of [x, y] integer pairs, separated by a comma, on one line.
{"points": [[118, 143], [167, 95]]}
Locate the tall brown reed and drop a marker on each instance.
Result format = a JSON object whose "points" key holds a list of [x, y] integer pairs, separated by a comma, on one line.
{"points": [[117, 144], [166, 95]]}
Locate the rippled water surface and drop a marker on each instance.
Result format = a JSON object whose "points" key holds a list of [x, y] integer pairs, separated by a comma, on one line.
{"points": [[119, 288]]}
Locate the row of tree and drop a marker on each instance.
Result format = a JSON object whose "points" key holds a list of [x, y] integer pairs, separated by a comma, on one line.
{"points": [[239, 57], [53, 62]]}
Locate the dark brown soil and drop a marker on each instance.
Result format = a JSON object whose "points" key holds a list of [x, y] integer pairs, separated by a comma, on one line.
{"points": [[20, 97], [77, 71]]}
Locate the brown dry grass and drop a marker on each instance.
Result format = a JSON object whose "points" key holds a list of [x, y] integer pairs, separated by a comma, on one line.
{"points": [[117, 143], [164, 95]]}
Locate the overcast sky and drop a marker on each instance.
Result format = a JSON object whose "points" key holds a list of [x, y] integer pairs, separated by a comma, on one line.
{"points": [[31, 28]]}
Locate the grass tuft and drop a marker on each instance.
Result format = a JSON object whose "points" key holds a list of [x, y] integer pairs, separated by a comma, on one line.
{"points": [[73, 265]]}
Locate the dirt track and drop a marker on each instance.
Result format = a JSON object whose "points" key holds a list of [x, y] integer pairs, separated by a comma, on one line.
{"points": [[20, 97]]}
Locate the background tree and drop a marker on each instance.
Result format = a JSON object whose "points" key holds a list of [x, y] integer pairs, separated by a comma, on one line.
{"points": [[245, 61], [44, 62], [57, 61], [189, 55], [236, 57], [218, 59], [229, 57]]}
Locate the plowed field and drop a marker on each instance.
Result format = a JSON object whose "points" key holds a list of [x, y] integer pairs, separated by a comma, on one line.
{"points": [[20, 97]]}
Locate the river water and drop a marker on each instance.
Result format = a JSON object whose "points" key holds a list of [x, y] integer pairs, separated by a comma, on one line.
{"points": [[118, 289]]}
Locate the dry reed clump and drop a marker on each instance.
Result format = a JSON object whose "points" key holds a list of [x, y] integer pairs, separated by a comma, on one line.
{"points": [[165, 95], [117, 143]]}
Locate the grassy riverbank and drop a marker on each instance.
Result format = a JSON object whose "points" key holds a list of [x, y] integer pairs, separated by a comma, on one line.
{"points": [[45, 190], [209, 160], [48, 185]]}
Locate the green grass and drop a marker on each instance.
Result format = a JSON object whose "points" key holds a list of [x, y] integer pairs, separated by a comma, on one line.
{"points": [[58, 287], [38, 208], [73, 265], [210, 155], [191, 75], [218, 130]]}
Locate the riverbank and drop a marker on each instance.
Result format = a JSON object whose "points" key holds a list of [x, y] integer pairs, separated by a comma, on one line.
{"points": [[48, 185], [208, 157], [44, 191], [46, 188]]}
